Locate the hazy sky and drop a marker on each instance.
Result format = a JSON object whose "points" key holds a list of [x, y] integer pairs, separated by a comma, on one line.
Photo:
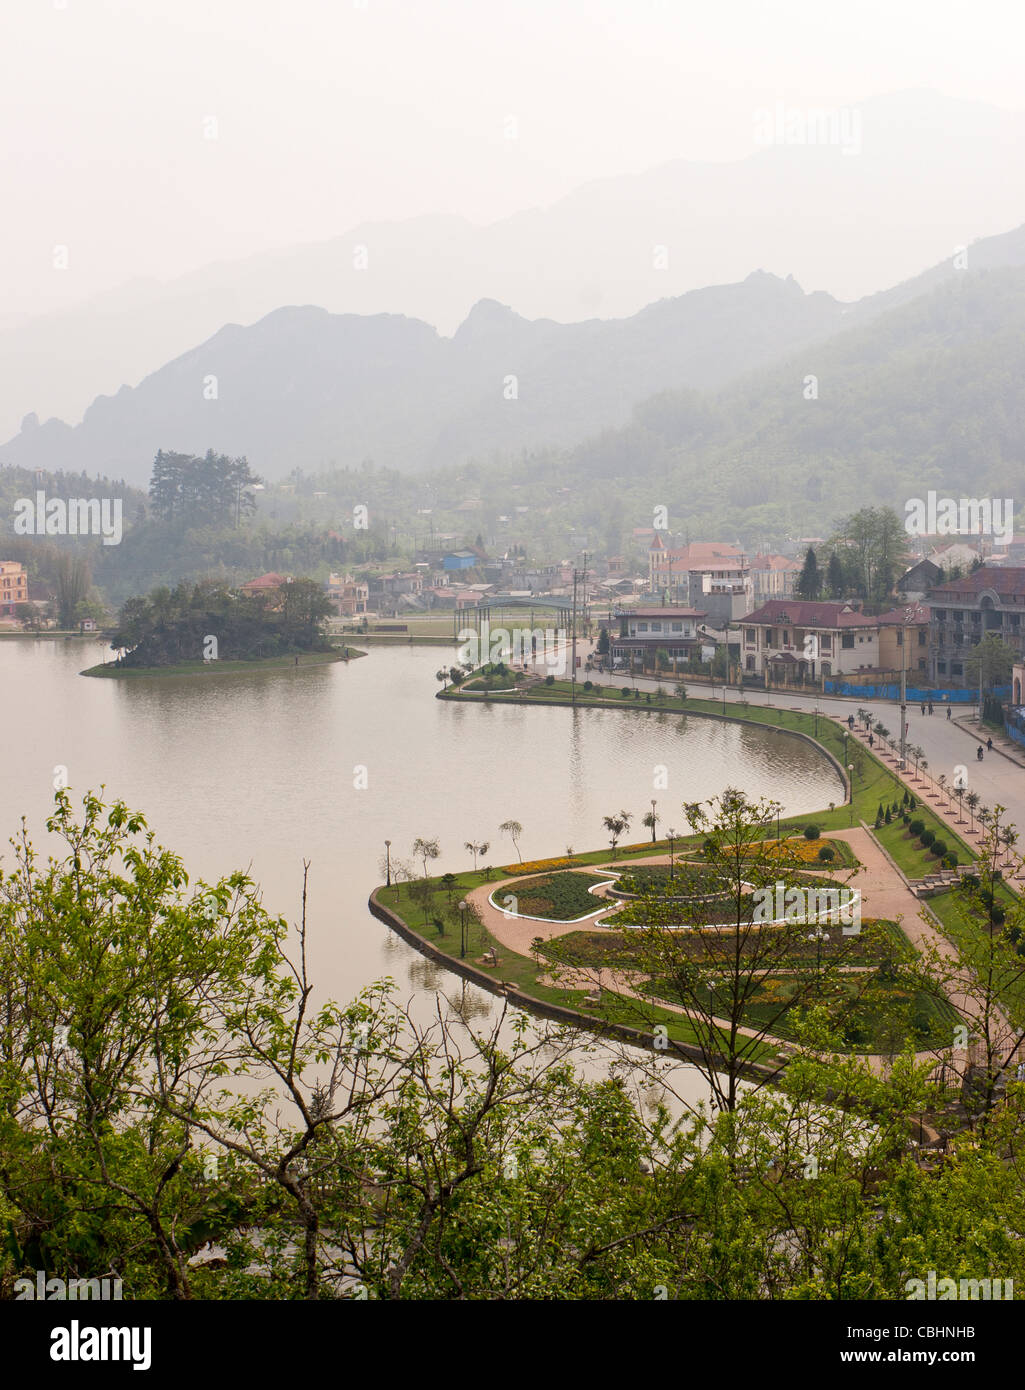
{"points": [[332, 112]]}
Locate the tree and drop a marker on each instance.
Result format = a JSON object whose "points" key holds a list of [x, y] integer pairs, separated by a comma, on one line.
{"points": [[72, 580], [650, 819], [476, 848], [809, 583], [602, 647], [875, 543], [617, 826], [514, 830], [425, 850], [680, 690], [835, 577], [992, 660]]}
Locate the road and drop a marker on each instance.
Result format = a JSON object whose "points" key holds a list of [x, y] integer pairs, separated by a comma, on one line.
{"points": [[949, 745]]}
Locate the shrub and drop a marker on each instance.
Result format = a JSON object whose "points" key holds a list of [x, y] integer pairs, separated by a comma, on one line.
{"points": [[827, 853], [970, 880], [912, 802], [811, 832], [927, 837], [588, 685], [905, 818], [878, 820], [916, 827], [624, 691], [889, 816], [708, 847], [879, 813], [997, 915], [549, 680], [950, 861], [939, 848]]}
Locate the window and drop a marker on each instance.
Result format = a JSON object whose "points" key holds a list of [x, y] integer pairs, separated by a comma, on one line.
{"points": [[956, 668], [642, 627], [656, 627], [677, 627], [941, 667], [922, 634], [847, 640]]}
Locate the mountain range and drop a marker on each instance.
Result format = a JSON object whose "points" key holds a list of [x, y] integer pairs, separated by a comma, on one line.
{"points": [[927, 174]]}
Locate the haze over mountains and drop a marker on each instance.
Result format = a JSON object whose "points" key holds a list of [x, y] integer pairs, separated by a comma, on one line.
{"points": [[304, 388], [928, 173]]}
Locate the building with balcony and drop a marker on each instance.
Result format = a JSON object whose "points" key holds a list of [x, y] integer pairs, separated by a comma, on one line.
{"points": [[790, 641], [963, 611], [708, 574], [643, 632]]}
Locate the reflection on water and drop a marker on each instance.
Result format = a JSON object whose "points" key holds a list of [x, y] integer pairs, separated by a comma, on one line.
{"points": [[260, 770]]}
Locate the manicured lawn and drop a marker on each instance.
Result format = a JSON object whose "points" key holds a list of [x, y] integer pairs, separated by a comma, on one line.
{"points": [[910, 854], [522, 971], [560, 897]]}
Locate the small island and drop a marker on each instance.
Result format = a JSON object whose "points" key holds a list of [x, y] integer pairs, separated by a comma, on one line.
{"points": [[209, 628]]}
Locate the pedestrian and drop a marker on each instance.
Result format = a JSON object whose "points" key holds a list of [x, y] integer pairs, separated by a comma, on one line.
{"points": [[930, 707], [850, 721], [948, 711], [978, 752], [923, 708], [871, 741], [989, 745]]}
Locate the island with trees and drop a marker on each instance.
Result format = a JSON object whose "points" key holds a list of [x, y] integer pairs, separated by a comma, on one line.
{"points": [[209, 626]]}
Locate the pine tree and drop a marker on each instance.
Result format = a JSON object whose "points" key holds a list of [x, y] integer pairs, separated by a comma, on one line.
{"points": [[834, 576], [809, 586]]}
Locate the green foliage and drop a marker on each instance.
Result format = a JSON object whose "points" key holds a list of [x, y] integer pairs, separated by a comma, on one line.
{"points": [[169, 626], [811, 832]]}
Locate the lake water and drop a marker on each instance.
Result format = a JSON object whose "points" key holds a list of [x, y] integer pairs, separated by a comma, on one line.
{"points": [[259, 771]]}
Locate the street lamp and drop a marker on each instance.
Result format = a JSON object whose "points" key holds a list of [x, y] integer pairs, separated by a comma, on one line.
{"points": [[850, 803], [462, 927], [672, 836], [387, 861], [654, 803]]}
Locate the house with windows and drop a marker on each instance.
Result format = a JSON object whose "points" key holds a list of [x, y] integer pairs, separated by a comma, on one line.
{"points": [[643, 632], [13, 586], [963, 611], [712, 575], [349, 597], [774, 576], [904, 641], [789, 641]]}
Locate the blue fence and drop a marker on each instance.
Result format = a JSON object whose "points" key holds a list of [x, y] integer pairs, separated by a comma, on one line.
{"points": [[1014, 724], [915, 695]]}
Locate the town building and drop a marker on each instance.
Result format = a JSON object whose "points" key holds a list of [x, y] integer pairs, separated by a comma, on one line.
{"points": [[773, 576], [904, 641], [643, 632], [789, 641], [349, 597], [707, 573], [962, 612], [13, 586], [266, 583]]}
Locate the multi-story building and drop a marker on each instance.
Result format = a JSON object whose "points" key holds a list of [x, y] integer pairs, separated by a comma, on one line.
{"points": [[643, 632], [963, 611], [349, 597], [793, 640], [774, 576], [710, 574], [13, 586]]}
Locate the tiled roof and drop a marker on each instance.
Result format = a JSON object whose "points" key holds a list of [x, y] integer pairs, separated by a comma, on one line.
{"points": [[1002, 579], [804, 613]]}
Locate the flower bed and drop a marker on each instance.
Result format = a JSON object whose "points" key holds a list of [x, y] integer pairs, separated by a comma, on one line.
{"points": [[554, 897]]}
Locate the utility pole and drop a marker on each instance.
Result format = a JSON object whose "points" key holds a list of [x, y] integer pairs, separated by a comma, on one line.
{"points": [[573, 657], [904, 686]]}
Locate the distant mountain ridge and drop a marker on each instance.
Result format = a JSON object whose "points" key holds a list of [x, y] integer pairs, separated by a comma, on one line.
{"points": [[305, 388], [930, 173]]}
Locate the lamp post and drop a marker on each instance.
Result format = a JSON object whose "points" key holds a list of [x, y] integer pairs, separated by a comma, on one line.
{"points": [[850, 803], [654, 803], [462, 928], [387, 861], [672, 836]]}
